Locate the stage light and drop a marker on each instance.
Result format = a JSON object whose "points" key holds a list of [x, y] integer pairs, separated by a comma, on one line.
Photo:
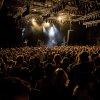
{"points": [[55, 29], [33, 20], [44, 30], [36, 25], [51, 32], [46, 24], [23, 30], [59, 18]]}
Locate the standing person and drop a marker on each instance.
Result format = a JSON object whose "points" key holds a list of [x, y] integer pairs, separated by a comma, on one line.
{"points": [[13, 88], [60, 86]]}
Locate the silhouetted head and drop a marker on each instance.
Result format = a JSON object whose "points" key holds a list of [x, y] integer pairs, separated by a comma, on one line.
{"points": [[13, 88]]}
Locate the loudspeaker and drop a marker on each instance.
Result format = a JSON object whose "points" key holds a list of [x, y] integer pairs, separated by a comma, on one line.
{"points": [[70, 39]]}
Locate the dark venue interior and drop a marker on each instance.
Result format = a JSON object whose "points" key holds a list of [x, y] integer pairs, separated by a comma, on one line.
{"points": [[80, 16], [49, 49]]}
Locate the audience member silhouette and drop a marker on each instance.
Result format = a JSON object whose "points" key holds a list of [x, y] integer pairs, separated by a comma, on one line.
{"points": [[13, 88]]}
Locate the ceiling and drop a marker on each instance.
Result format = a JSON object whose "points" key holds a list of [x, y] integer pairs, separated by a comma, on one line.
{"points": [[50, 10]]}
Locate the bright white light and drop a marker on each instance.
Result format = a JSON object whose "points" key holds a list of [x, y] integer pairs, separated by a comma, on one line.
{"points": [[23, 30], [51, 32], [44, 30], [55, 29]]}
